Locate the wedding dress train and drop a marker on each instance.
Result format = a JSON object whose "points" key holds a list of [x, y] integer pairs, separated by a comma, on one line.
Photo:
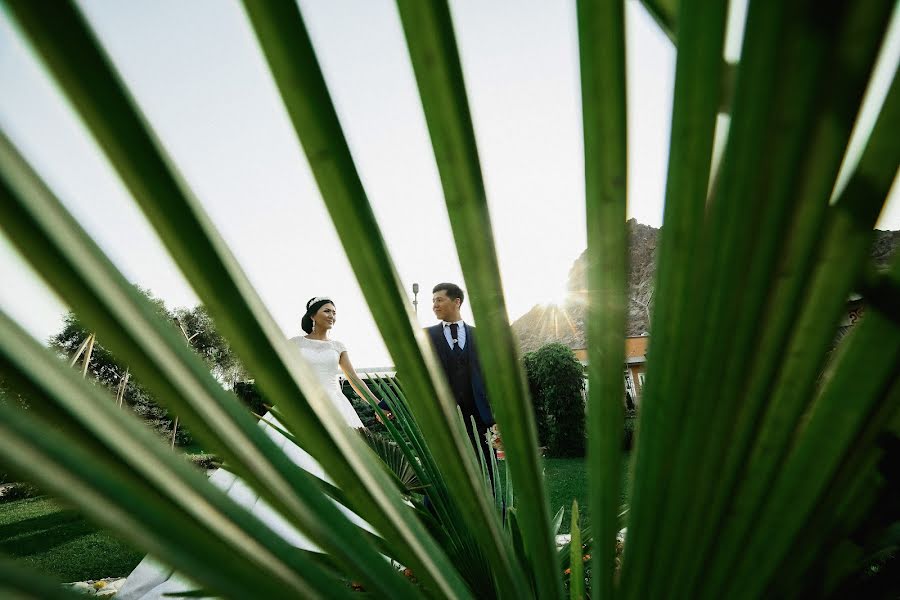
{"points": [[151, 580]]}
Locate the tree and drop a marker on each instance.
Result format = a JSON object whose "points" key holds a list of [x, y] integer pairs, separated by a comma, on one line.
{"points": [[108, 371], [206, 340], [556, 378]]}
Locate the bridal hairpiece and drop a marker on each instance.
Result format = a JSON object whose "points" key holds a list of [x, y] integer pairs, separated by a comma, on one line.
{"points": [[318, 299]]}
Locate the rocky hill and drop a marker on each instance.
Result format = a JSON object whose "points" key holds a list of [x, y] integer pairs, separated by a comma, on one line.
{"points": [[886, 244], [544, 324]]}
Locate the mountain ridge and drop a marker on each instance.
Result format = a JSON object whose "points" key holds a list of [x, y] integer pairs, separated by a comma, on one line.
{"points": [[546, 323]]}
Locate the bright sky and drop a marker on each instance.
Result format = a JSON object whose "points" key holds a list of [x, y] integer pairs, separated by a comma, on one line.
{"points": [[198, 75]]}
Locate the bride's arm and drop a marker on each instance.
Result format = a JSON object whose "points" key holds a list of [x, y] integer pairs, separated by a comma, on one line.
{"points": [[356, 382]]}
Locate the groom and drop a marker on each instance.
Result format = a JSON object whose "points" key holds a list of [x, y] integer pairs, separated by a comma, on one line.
{"points": [[454, 342]]}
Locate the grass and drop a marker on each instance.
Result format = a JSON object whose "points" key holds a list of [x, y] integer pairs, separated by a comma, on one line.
{"points": [[61, 543], [567, 480], [192, 448]]}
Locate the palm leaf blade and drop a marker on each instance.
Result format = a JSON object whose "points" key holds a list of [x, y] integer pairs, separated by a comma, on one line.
{"points": [[844, 248], [601, 33], [793, 185], [432, 48], [134, 468], [67, 45], [760, 461], [693, 123], [34, 219]]}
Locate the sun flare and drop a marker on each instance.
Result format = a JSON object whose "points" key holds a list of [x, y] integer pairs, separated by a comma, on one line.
{"points": [[556, 294]]}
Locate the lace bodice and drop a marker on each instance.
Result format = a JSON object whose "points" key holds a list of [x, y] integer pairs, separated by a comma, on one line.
{"points": [[323, 357]]}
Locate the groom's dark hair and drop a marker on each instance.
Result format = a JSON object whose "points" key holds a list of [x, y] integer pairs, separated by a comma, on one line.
{"points": [[453, 291]]}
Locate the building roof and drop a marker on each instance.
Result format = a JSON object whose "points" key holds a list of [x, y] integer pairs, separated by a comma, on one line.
{"points": [[635, 350], [636, 346]]}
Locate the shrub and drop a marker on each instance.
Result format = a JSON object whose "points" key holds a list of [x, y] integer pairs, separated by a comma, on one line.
{"points": [[19, 491], [558, 388], [257, 403], [364, 409], [205, 461], [250, 395], [630, 425], [156, 416], [538, 401]]}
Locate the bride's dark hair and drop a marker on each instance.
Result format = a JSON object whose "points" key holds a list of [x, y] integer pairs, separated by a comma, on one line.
{"points": [[312, 307]]}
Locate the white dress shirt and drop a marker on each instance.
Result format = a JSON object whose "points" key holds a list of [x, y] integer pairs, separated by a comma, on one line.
{"points": [[461, 334]]}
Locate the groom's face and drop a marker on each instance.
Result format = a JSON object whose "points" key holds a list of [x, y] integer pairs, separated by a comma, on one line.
{"points": [[444, 307]]}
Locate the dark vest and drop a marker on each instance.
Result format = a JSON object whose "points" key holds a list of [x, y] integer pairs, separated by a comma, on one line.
{"points": [[459, 374]]}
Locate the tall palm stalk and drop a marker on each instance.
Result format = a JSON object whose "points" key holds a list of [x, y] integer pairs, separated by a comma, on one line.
{"points": [[752, 468]]}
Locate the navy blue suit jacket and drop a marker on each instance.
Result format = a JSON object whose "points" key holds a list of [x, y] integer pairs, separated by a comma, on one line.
{"points": [[439, 342]]}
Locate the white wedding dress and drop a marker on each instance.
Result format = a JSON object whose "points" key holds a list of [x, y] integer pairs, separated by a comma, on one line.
{"points": [[151, 580]]}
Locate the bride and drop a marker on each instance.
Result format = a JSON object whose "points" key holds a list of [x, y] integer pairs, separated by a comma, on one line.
{"points": [[152, 580], [326, 356]]}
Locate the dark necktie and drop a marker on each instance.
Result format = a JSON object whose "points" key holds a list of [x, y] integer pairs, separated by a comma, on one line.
{"points": [[454, 334]]}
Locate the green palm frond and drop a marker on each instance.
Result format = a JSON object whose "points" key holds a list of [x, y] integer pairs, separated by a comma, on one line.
{"points": [[392, 455], [131, 327], [409, 444], [665, 12], [601, 33], [435, 60], [759, 451], [121, 465]]}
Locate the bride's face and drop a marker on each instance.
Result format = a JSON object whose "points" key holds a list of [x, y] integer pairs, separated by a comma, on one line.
{"points": [[325, 318]]}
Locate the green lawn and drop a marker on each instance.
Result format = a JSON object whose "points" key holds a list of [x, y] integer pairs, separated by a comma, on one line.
{"points": [[192, 448], [61, 543], [567, 480]]}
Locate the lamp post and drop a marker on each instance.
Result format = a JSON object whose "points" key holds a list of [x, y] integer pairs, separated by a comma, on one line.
{"points": [[415, 298]]}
